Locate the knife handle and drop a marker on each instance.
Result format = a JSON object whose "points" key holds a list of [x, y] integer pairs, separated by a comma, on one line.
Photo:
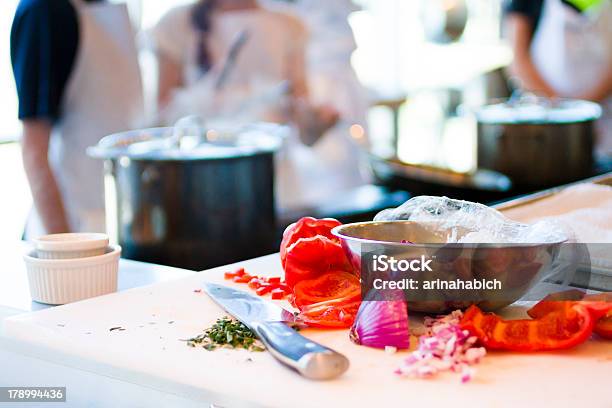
{"points": [[310, 359]]}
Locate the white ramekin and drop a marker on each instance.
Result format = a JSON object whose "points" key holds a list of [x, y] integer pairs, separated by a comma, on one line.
{"points": [[70, 245], [60, 281]]}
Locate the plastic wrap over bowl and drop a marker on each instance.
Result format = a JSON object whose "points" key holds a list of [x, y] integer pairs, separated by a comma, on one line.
{"points": [[460, 247]]}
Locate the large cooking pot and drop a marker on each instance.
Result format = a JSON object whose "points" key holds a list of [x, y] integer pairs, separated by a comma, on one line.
{"points": [[538, 142], [193, 201]]}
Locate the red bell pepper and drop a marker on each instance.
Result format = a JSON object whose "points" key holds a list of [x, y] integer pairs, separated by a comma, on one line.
{"points": [[307, 227], [331, 314], [595, 302], [336, 285], [309, 249], [569, 324]]}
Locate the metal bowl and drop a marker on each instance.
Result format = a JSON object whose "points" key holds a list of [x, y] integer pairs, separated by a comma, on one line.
{"points": [[517, 266]]}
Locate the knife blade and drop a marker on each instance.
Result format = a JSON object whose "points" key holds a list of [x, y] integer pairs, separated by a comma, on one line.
{"points": [[268, 322]]}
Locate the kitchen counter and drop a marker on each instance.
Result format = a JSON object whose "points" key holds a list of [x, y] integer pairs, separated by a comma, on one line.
{"points": [[15, 293], [147, 364]]}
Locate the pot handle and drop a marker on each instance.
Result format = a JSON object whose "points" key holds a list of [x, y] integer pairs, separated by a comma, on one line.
{"points": [[188, 132]]}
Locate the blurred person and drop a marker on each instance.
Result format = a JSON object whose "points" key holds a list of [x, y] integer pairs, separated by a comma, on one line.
{"points": [[77, 79], [332, 81], [192, 44], [563, 48], [331, 43]]}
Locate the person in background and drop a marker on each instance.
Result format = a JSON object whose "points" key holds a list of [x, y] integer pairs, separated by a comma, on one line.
{"points": [[332, 81], [331, 43], [563, 48], [78, 79], [192, 43]]}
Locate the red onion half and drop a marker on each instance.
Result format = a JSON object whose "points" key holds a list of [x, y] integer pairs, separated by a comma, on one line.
{"points": [[381, 324]]}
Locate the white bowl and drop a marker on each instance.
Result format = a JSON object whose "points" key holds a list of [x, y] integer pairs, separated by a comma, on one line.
{"points": [[71, 245], [60, 281]]}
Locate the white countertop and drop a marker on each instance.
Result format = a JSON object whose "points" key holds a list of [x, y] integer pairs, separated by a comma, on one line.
{"points": [[147, 365]]}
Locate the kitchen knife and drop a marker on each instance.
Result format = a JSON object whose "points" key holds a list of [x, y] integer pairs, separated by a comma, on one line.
{"points": [[267, 320]]}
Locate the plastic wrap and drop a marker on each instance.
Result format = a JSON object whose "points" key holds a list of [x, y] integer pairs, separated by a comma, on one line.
{"points": [[468, 222]]}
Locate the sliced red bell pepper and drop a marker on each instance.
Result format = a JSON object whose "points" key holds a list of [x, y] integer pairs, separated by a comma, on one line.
{"points": [[600, 306], [245, 278], [274, 280], [261, 285], [307, 227], [549, 303], [309, 249], [254, 283], [330, 314], [277, 294], [335, 285], [603, 327], [318, 274], [571, 324], [263, 290], [311, 257], [231, 275]]}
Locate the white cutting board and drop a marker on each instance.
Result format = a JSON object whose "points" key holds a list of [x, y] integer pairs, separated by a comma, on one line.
{"points": [[149, 352]]}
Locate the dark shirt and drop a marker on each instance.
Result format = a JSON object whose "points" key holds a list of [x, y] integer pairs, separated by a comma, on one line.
{"points": [[44, 42], [530, 8]]}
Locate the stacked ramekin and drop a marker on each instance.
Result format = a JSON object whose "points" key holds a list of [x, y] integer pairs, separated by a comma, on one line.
{"points": [[64, 268]]}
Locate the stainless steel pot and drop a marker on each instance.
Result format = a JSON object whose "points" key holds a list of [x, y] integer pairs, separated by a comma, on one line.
{"points": [[193, 207], [537, 142]]}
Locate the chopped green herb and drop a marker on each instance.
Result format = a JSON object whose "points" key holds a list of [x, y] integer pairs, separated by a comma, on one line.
{"points": [[228, 333]]}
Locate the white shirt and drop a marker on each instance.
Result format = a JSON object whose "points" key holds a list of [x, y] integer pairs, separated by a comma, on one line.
{"points": [[274, 50]]}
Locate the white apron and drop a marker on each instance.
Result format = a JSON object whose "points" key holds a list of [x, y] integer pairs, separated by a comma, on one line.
{"points": [[104, 96], [336, 163], [572, 51]]}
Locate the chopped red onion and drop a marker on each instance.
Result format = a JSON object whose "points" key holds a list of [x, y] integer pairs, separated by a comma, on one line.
{"points": [[445, 347]]}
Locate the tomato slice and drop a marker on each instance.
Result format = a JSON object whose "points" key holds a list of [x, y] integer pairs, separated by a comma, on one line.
{"points": [[341, 286], [571, 324], [326, 315]]}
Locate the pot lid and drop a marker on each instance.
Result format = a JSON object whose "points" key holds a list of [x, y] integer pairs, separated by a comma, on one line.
{"points": [[537, 110], [207, 144]]}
